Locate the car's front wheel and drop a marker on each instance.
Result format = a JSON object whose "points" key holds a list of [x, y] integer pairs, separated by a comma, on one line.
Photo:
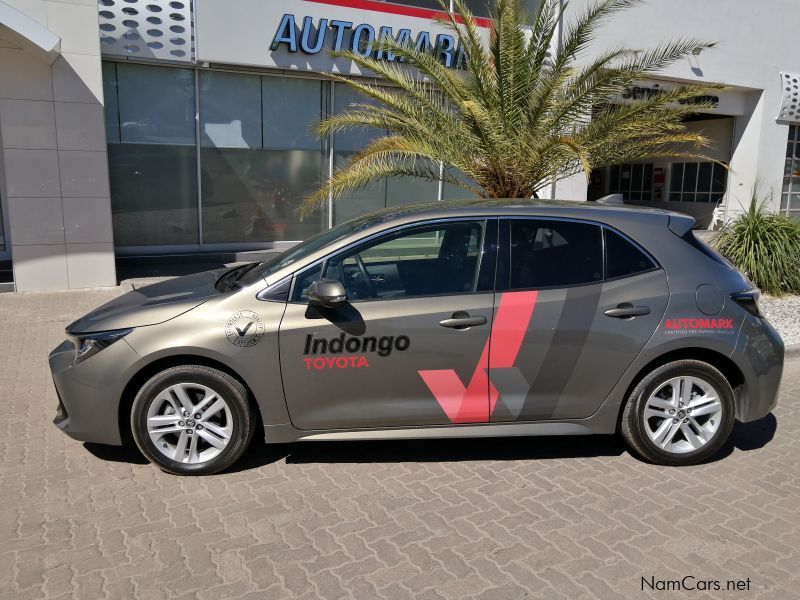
{"points": [[680, 413], [192, 420]]}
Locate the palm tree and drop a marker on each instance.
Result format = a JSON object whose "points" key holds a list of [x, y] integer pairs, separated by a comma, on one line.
{"points": [[515, 117]]}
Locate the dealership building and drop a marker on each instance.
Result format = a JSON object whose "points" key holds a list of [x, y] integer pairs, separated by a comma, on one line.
{"points": [[170, 127]]}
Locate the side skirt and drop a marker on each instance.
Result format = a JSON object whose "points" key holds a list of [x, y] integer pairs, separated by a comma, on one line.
{"points": [[604, 421]]}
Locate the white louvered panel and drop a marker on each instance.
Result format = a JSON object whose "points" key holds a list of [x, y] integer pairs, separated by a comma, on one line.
{"points": [[155, 29], [790, 98]]}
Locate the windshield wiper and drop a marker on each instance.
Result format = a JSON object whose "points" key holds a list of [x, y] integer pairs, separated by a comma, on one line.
{"points": [[228, 280]]}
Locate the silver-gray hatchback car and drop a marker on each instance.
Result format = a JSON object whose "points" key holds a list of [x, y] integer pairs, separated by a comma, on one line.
{"points": [[440, 320]]}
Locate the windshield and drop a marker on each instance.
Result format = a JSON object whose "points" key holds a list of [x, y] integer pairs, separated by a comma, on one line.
{"points": [[307, 248]]}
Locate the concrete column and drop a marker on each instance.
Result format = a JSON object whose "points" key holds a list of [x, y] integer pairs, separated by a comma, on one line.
{"points": [[54, 153]]}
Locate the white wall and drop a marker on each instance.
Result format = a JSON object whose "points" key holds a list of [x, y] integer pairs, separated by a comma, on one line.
{"points": [[54, 153], [755, 41]]}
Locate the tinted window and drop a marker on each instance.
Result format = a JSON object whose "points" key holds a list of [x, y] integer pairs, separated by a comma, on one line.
{"points": [[623, 258], [434, 260], [554, 254]]}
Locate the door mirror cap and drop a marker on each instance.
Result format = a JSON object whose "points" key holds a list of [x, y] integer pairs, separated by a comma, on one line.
{"points": [[329, 293]]}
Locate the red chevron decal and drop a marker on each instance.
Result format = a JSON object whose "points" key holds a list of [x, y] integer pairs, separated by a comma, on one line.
{"points": [[399, 9], [469, 404]]}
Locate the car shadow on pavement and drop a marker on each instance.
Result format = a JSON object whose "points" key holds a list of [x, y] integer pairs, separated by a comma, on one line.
{"points": [[127, 454], [456, 450], [429, 450], [753, 435], [745, 437]]}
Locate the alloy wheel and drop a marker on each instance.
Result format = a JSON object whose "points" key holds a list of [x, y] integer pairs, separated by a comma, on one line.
{"points": [[683, 414], [189, 423]]}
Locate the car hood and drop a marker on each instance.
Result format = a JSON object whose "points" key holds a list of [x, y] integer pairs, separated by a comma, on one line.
{"points": [[151, 304]]}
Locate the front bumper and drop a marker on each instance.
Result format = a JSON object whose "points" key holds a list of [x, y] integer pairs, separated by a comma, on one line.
{"points": [[89, 392], [759, 355]]}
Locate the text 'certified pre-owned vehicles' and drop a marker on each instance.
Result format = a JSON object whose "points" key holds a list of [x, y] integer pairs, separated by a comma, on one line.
{"points": [[439, 320]]}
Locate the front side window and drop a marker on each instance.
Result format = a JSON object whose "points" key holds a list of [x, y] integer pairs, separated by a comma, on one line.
{"points": [[548, 253], [433, 260]]}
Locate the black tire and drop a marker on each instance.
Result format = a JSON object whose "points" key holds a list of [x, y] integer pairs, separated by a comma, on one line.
{"points": [[231, 390], [632, 425]]}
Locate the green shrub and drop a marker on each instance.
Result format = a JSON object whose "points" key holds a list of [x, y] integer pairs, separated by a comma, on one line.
{"points": [[765, 246]]}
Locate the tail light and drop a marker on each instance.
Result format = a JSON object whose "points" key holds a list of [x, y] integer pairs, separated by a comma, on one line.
{"points": [[748, 300]]}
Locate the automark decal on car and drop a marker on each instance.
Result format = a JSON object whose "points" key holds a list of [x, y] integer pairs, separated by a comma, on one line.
{"points": [[688, 326], [356, 349]]}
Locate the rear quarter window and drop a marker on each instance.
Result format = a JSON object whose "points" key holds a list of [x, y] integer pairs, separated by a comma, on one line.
{"points": [[623, 258]]}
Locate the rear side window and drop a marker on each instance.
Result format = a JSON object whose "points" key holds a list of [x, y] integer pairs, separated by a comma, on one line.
{"points": [[547, 253], [623, 258]]}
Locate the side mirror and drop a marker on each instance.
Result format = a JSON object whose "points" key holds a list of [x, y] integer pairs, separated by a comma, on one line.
{"points": [[329, 293]]}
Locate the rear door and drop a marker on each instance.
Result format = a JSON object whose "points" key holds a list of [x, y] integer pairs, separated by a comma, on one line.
{"points": [[410, 347], [591, 300]]}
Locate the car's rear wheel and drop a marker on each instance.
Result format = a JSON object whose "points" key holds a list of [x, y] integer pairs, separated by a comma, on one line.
{"points": [[192, 420], [680, 413]]}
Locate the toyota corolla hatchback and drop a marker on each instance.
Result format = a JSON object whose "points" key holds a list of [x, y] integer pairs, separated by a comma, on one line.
{"points": [[439, 320]]}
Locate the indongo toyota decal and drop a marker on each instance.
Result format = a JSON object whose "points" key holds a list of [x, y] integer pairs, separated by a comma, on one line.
{"points": [[317, 351]]}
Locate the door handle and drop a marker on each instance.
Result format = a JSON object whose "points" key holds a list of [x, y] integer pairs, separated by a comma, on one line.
{"points": [[626, 310], [459, 322]]}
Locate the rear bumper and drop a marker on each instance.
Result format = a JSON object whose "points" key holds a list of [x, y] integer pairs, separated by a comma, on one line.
{"points": [[89, 392], [759, 354]]}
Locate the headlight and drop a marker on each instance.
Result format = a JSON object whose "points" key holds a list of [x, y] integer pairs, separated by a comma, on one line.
{"points": [[89, 344]]}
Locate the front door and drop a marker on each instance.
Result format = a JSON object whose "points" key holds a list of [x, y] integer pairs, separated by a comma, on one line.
{"points": [[588, 299], [410, 347]]}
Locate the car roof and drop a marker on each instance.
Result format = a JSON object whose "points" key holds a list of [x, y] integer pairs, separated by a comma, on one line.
{"points": [[500, 206], [624, 217], [574, 209]]}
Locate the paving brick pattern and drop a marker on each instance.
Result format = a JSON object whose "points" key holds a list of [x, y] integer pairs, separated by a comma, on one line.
{"points": [[520, 518]]}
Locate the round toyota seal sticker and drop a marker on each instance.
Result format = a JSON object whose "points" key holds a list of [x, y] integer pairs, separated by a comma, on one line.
{"points": [[244, 329]]}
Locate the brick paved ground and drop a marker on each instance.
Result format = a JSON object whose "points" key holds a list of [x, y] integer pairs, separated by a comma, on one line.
{"points": [[523, 518]]}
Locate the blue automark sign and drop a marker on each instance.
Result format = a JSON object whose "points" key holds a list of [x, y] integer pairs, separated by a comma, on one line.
{"points": [[299, 35], [312, 35]]}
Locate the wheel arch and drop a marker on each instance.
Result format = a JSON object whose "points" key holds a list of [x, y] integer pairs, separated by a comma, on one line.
{"points": [[165, 362], [719, 361]]}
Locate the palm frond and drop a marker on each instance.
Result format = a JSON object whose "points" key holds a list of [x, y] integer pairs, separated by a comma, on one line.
{"points": [[521, 113]]}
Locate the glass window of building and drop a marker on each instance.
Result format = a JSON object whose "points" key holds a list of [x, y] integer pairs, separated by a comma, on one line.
{"points": [[697, 182], [451, 191], [790, 194], [345, 146], [394, 191], [634, 182], [152, 155], [259, 156]]}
